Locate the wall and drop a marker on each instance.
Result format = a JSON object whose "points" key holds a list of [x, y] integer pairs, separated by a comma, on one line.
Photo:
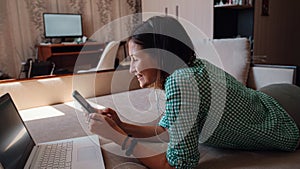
{"points": [[191, 13], [276, 36]]}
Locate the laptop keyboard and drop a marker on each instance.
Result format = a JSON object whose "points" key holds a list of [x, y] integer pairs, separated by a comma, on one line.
{"points": [[56, 156]]}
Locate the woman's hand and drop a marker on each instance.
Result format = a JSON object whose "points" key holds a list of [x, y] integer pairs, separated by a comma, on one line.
{"points": [[111, 114], [104, 126]]}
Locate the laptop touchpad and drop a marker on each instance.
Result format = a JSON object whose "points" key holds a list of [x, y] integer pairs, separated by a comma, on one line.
{"points": [[86, 153]]}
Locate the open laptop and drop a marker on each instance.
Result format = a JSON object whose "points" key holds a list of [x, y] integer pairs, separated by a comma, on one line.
{"points": [[18, 149]]}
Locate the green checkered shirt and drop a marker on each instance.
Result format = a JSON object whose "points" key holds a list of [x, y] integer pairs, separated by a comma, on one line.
{"points": [[206, 105]]}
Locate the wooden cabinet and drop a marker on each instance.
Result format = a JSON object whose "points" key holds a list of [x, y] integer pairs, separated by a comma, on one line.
{"points": [[215, 21], [231, 21], [65, 55], [197, 12], [234, 20]]}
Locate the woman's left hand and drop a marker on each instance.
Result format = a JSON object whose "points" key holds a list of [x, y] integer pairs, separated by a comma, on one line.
{"points": [[104, 126]]}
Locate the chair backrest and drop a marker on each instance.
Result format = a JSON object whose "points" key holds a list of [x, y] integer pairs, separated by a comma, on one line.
{"points": [[108, 57], [38, 68]]}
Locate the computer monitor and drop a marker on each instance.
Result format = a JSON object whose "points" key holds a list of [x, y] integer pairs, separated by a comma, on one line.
{"points": [[59, 25]]}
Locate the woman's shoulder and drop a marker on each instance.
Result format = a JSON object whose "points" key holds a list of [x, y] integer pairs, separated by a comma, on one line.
{"points": [[187, 74], [187, 71]]}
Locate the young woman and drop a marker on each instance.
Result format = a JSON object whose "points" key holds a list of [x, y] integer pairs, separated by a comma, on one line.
{"points": [[203, 105]]}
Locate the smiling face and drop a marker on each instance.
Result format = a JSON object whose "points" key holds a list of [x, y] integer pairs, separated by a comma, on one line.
{"points": [[142, 65]]}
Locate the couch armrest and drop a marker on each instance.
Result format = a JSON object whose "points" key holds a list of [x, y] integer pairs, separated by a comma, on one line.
{"points": [[261, 75]]}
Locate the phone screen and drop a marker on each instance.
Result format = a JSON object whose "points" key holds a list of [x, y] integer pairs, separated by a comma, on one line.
{"points": [[83, 102]]}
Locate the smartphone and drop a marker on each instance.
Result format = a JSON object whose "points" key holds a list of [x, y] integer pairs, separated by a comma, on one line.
{"points": [[81, 100]]}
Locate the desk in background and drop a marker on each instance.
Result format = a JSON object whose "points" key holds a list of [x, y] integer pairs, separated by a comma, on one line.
{"points": [[65, 55]]}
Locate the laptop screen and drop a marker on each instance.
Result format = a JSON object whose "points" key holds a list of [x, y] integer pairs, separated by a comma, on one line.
{"points": [[15, 141]]}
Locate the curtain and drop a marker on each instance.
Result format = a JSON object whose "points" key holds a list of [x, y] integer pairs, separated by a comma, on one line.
{"points": [[21, 24]]}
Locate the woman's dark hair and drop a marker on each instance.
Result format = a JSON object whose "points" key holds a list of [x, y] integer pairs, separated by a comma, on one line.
{"points": [[168, 41]]}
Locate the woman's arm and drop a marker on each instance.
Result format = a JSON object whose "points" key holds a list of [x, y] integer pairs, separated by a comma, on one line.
{"points": [[106, 127], [145, 154], [151, 133]]}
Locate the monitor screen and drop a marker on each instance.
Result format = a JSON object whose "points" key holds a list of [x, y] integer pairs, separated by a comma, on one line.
{"points": [[62, 25]]}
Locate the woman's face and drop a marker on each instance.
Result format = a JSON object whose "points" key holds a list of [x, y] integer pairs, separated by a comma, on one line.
{"points": [[142, 65]]}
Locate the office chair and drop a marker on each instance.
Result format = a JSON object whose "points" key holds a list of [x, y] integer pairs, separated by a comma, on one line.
{"points": [[37, 68], [107, 59]]}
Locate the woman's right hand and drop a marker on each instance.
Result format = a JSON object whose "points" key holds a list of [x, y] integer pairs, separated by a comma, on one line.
{"points": [[111, 114]]}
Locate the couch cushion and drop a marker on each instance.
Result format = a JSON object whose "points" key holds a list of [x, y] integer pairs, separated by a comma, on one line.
{"points": [[288, 96], [235, 57], [232, 55]]}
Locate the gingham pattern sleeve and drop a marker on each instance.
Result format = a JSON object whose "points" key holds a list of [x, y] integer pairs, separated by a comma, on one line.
{"points": [[181, 119]]}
